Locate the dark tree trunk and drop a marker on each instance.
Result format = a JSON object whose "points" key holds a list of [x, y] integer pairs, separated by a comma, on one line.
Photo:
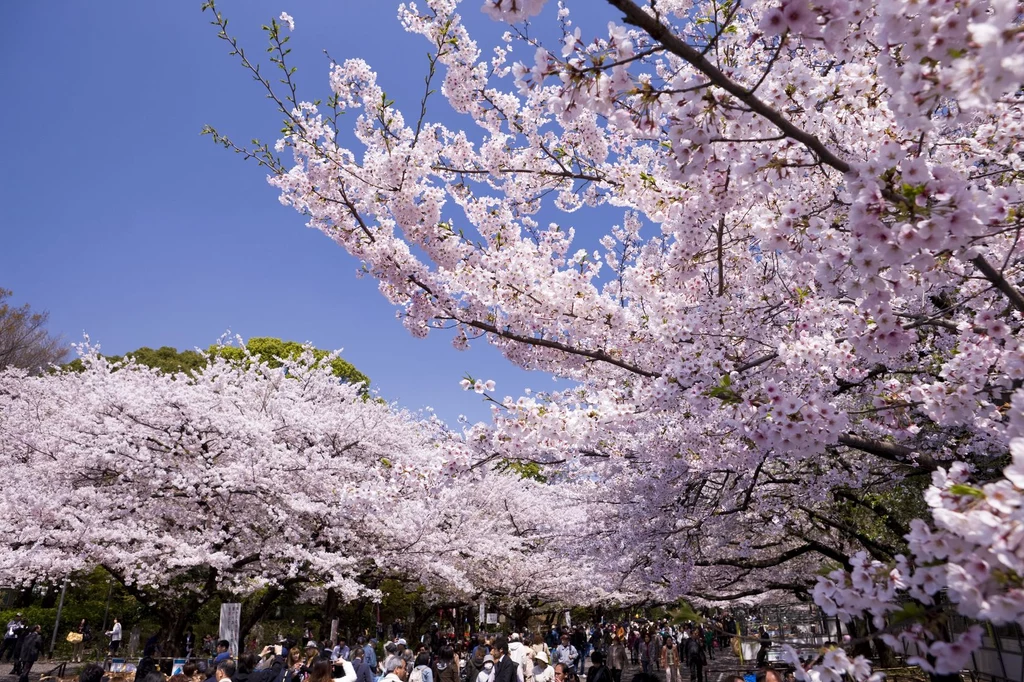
{"points": [[858, 632], [50, 597], [267, 601], [329, 611], [24, 598], [520, 618]]}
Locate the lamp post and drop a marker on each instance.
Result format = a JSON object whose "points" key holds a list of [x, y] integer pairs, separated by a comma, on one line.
{"points": [[56, 625], [106, 611]]}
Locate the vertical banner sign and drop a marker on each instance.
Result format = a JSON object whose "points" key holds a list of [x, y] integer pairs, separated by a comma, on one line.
{"points": [[483, 608], [230, 625], [568, 619], [334, 631]]}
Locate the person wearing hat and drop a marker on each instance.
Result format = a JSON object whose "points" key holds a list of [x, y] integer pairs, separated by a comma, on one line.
{"points": [[406, 654], [566, 653], [487, 672], [542, 672]]}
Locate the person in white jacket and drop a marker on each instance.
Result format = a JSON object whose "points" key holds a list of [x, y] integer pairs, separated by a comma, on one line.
{"points": [[542, 672], [343, 671], [522, 656]]}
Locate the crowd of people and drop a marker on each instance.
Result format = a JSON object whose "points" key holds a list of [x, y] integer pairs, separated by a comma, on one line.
{"points": [[559, 655], [677, 652]]}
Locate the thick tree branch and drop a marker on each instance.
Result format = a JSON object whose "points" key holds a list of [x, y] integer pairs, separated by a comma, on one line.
{"points": [[1000, 282], [638, 17], [888, 451]]}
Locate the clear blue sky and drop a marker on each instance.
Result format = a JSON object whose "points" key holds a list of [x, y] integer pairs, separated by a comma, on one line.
{"points": [[123, 222]]}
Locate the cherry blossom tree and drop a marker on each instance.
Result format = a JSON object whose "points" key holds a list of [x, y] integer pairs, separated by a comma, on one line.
{"points": [[807, 289], [233, 479], [265, 476]]}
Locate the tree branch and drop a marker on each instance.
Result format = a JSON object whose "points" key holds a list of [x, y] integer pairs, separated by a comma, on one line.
{"points": [[637, 17]]}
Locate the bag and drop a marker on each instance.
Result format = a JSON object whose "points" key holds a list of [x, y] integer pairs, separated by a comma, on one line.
{"points": [[417, 675], [74, 637]]}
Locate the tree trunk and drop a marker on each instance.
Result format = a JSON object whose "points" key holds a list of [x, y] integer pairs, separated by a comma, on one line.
{"points": [[49, 597], [24, 598], [329, 611], [254, 615], [520, 618], [858, 632]]}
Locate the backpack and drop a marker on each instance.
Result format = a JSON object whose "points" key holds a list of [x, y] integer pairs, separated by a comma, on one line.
{"points": [[417, 674]]}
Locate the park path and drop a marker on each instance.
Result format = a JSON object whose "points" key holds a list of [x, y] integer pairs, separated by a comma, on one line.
{"points": [[724, 665]]}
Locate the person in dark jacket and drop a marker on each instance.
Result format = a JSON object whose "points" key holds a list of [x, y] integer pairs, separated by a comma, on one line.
{"points": [[598, 671], [148, 664], [765, 640], [31, 647], [474, 664], [20, 634], [271, 667], [445, 666], [362, 668], [244, 668], [504, 666]]}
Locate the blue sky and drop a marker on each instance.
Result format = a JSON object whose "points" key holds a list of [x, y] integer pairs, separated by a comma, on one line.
{"points": [[123, 222]]}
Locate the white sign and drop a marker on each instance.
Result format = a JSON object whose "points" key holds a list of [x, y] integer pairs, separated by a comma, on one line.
{"points": [[568, 619], [492, 619], [482, 607], [231, 625]]}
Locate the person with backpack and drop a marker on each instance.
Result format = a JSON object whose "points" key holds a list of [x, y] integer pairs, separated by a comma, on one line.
{"points": [[421, 671], [566, 653]]}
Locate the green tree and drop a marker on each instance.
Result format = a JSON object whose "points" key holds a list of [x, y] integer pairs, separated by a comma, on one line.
{"points": [[274, 352]]}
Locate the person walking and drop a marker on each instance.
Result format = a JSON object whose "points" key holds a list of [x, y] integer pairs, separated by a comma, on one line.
{"points": [[542, 672], [11, 637], [697, 659], [670, 660], [616, 658], [566, 653], [644, 649], [114, 633], [30, 650], [765, 640], [83, 635], [598, 670]]}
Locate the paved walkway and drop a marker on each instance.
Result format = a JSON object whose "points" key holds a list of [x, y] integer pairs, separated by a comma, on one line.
{"points": [[724, 665]]}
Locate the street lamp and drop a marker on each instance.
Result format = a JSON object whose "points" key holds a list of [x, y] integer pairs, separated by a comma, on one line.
{"points": [[56, 625]]}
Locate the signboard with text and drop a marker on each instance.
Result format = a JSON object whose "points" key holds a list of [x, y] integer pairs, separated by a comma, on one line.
{"points": [[231, 625]]}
